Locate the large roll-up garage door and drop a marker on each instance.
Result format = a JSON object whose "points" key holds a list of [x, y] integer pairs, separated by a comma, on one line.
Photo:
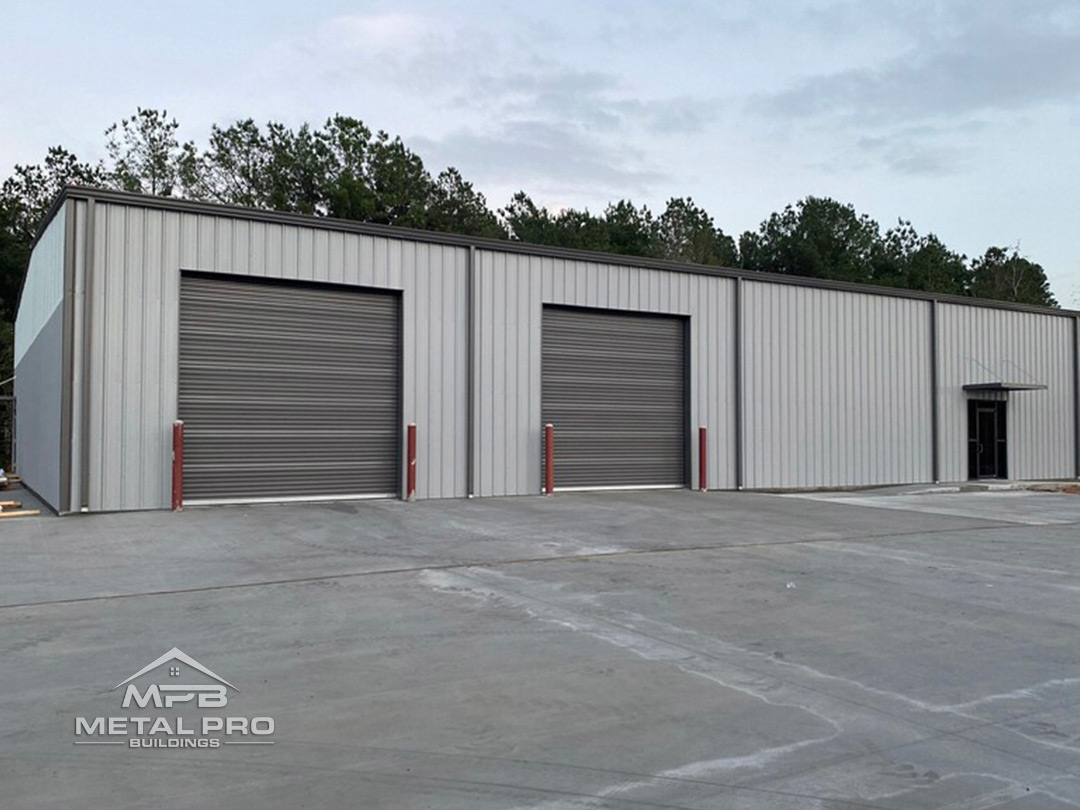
{"points": [[614, 387], [288, 390]]}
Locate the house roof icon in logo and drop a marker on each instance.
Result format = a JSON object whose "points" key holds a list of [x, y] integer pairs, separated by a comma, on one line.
{"points": [[177, 655]]}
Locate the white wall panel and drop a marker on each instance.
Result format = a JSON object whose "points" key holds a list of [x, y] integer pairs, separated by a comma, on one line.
{"points": [[977, 345], [43, 289], [510, 292], [836, 387], [39, 342], [138, 254]]}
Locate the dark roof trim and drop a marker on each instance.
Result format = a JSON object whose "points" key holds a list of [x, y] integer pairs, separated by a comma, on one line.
{"points": [[510, 246], [1004, 386]]}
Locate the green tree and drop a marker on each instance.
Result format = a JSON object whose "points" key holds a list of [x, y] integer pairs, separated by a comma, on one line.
{"points": [[528, 222], [906, 259], [392, 180], [686, 233], [14, 254], [1005, 275], [26, 195], [570, 228], [341, 170], [456, 207], [147, 157], [817, 237], [583, 230], [296, 172], [350, 191], [631, 231], [233, 168]]}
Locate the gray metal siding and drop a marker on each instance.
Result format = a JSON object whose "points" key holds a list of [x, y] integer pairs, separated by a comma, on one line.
{"points": [[39, 341], [836, 383], [836, 388], [992, 345], [613, 386], [288, 391], [133, 276], [510, 290], [38, 388]]}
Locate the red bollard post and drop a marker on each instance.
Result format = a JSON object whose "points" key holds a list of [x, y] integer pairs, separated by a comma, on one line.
{"points": [[703, 461], [410, 475], [177, 465], [549, 459]]}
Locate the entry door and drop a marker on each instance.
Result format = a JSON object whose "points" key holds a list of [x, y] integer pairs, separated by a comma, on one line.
{"points": [[987, 446]]}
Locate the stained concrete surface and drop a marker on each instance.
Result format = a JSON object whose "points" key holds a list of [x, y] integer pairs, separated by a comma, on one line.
{"points": [[1009, 506], [630, 650], [29, 501]]}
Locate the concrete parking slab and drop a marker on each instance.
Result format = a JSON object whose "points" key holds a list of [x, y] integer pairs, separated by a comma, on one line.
{"points": [[1009, 506], [623, 650], [29, 502]]}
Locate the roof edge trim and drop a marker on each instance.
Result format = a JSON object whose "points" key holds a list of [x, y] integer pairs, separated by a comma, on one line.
{"points": [[512, 246]]}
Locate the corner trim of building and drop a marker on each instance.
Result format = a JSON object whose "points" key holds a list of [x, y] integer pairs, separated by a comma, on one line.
{"points": [[688, 389], [67, 369], [470, 366], [738, 385], [87, 322], [935, 451], [1076, 395]]}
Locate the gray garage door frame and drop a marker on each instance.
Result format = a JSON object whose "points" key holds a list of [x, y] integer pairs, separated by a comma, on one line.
{"points": [[678, 473], [392, 481]]}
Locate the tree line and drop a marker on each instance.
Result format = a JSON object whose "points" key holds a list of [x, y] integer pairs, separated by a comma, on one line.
{"points": [[344, 169]]}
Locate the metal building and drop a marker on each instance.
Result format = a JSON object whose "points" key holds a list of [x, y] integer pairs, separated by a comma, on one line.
{"points": [[297, 350]]}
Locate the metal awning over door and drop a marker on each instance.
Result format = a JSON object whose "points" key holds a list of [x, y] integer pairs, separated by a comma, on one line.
{"points": [[288, 390], [614, 386]]}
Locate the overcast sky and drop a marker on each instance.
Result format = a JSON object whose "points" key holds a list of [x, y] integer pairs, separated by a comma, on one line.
{"points": [[962, 116]]}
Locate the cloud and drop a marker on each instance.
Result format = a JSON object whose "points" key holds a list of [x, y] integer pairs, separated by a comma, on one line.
{"points": [[672, 116], [558, 157], [987, 63], [400, 51], [947, 79], [911, 154], [915, 151], [503, 111], [377, 33], [551, 91], [588, 98], [451, 69]]}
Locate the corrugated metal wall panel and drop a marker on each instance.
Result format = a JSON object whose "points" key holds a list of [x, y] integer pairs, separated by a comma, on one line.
{"points": [[510, 290], [860, 367], [993, 345], [836, 388], [136, 262]]}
